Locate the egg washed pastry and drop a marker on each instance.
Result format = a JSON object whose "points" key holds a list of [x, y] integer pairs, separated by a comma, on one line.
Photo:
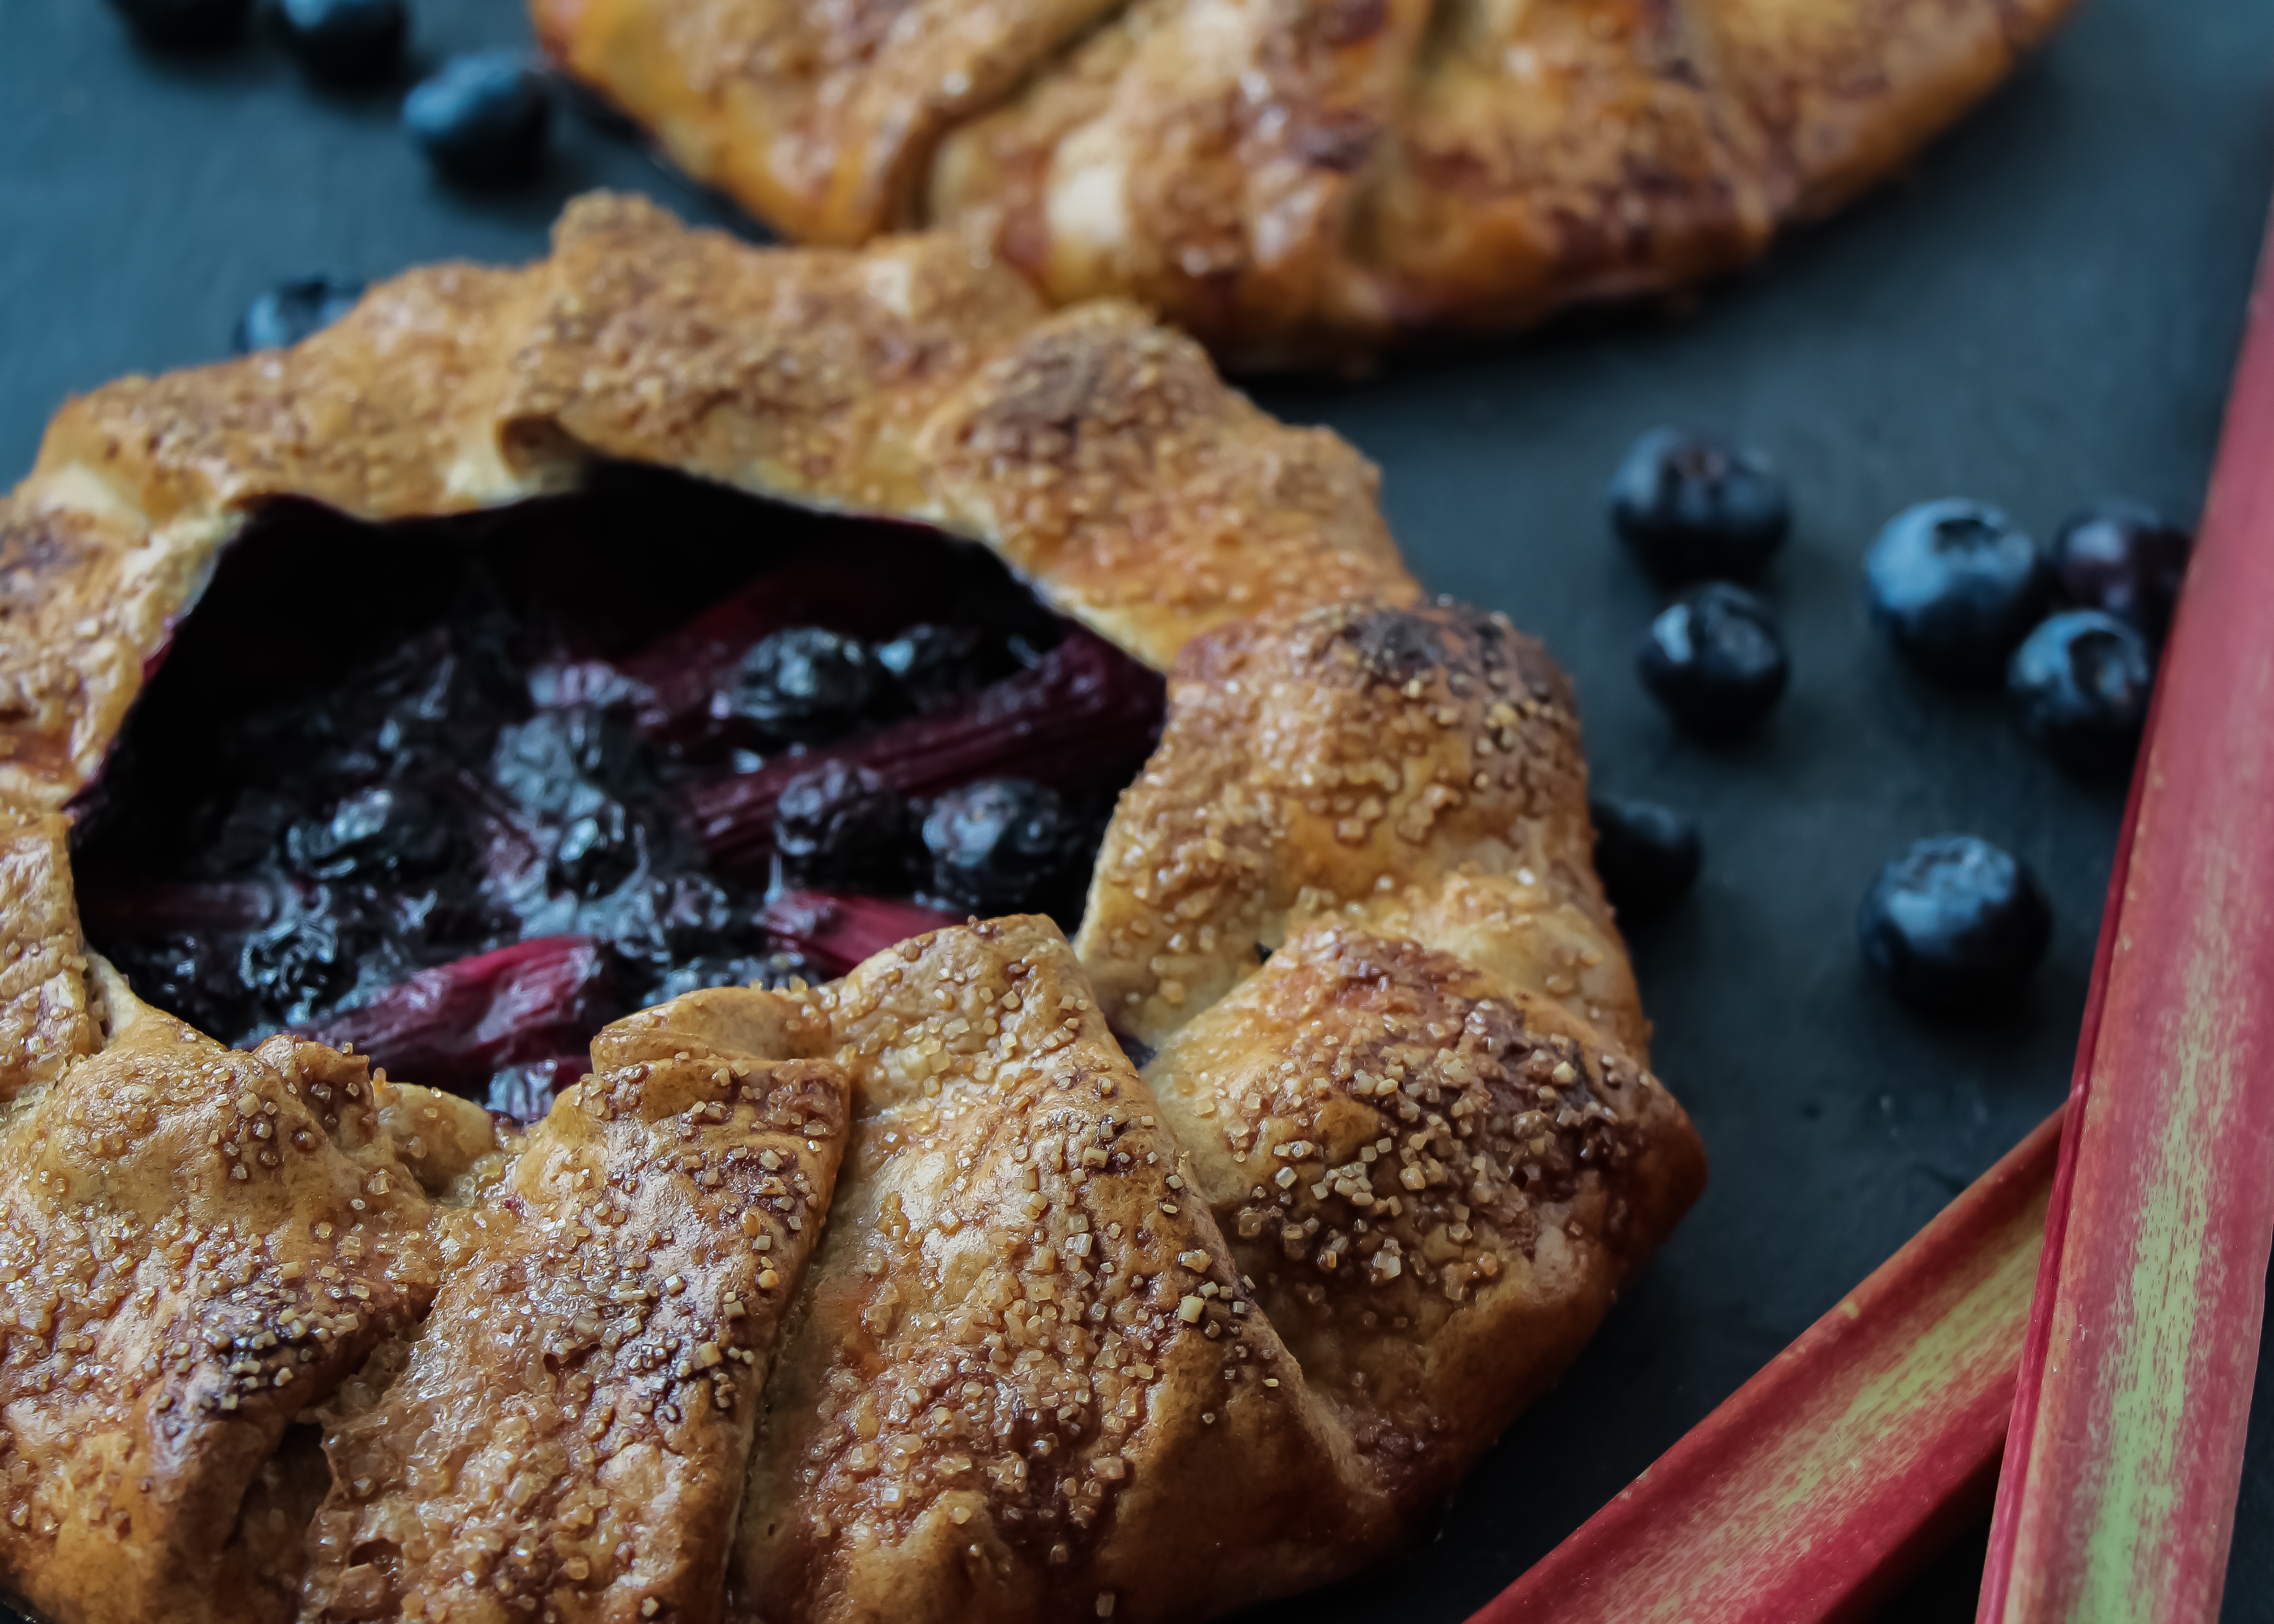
{"points": [[906, 1296], [1293, 180]]}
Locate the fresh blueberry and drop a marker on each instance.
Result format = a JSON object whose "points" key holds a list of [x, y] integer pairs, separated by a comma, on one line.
{"points": [[292, 310], [2126, 559], [348, 42], [1715, 660], [1957, 586], [841, 825], [2082, 680], [186, 24], [1693, 507], [1954, 921], [482, 119], [806, 685], [998, 846], [1648, 854]]}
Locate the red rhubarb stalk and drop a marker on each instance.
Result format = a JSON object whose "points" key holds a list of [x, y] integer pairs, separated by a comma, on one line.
{"points": [[1849, 1457], [455, 1026], [837, 933], [1087, 713], [2125, 1452]]}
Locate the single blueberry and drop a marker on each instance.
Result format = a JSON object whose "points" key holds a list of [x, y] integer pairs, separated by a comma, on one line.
{"points": [[1957, 586], [841, 825], [482, 117], [998, 846], [806, 685], [292, 310], [1954, 921], [348, 42], [1648, 854], [1694, 507], [2126, 559], [186, 24], [1715, 659], [2082, 680]]}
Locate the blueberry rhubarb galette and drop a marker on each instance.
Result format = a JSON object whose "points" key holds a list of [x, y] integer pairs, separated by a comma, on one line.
{"points": [[1293, 180], [709, 933]]}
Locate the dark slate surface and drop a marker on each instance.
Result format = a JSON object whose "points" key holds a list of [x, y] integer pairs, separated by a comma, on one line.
{"points": [[2044, 314]]}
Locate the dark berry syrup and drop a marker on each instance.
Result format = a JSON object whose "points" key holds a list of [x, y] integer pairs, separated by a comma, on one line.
{"points": [[460, 791]]}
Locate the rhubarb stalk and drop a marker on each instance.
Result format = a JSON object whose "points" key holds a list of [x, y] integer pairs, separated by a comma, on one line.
{"points": [[837, 933], [1846, 1460], [2125, 1452]]}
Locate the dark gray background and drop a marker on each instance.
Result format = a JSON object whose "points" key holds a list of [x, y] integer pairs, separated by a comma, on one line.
{"points": [[2045, 312]]}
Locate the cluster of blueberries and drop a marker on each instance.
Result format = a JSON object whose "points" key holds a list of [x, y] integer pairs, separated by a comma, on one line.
{"points": [[481, 118], [1964, 594]]}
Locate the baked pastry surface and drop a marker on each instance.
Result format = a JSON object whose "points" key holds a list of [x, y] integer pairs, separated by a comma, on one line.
{"points": [[905, 1297], [1294, 179]]}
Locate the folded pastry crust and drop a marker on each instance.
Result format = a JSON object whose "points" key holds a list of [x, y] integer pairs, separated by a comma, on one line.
{"points": [[1303, 180], [905, 1298]]}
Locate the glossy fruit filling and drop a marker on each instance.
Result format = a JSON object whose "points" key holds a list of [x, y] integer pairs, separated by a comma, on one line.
{"points": [[460, 791]]}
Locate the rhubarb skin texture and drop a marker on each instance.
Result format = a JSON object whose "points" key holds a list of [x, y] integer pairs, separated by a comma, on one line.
{"points": [[1848, 1459], [2126, 1453]]}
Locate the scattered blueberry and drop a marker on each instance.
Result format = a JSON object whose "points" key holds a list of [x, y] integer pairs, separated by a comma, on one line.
{"points": [[841, 825], [1693, 507], [482, 117], [2126, 559], [998, 846], [1954, 921], [2082, 680], [1715, 660], [1957, 586], [1648, 855], [806, 685], [186, 24], [292, 310], [348, 42]]}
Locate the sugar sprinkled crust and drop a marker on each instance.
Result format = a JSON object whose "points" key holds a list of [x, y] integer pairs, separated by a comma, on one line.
{"points": [[907, 1296], [1100, 453], [1297, 178]]}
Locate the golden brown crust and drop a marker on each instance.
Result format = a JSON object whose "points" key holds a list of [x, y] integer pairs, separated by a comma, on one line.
{"points": [[902, 380], [284, 1340], [1419, 768], [570, 1423], [1294, 179]]}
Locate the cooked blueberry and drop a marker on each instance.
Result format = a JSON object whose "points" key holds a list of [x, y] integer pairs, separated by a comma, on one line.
{"points": [[185, 24], [841, 825], [1955, 586], [482, 117], [599, 846], [935, 665], [2125, 559], [806, 685], [292, 310], [372, 835], [348, 42], [1715, 660], [997, 846], [1648, 855], [558, 765], [1694, 507], [2082, 680], [1954, 921], [767, 969]]}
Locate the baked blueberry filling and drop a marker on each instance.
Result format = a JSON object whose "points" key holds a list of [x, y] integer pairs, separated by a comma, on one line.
{"points": [[460, 791]]}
